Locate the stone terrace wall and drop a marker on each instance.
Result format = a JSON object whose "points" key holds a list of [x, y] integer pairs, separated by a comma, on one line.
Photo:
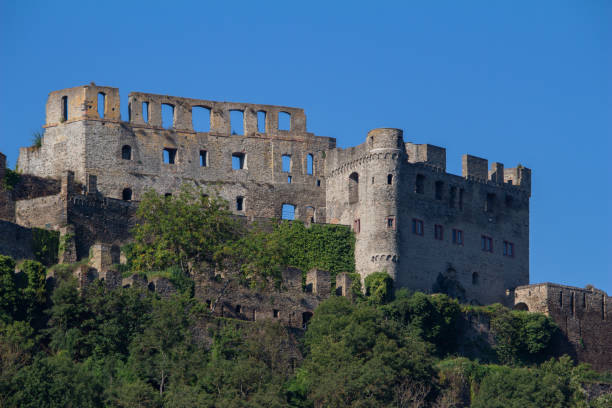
{"points": [[583, 315]]}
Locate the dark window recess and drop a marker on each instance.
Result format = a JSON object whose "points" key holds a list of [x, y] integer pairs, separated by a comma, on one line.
{"points": [[486, 243], [475, 278], [168, 195], [318, 183], [420, 184], [439, 190], [288, 212], [453, 197], [490, 203], [239, 203], [509, 201], [306, 316], [391, 222], [438, 232], [417, 227], [203, 158], [145, 112], [372, 180], [309, 163], [238, 161], [200, 119], [357, 226], [261, 122], [126, 152], [286, 163], [457, 237], [289, 179], [284, 121], [126, 195], [238, 309], [508, 249], [167, 112], [64, 109], [353, 188], [169, 155], [275, 313], [389, 178]]}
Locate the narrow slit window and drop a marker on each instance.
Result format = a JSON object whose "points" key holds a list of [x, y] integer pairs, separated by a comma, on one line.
{"points": [[239, 203], [237, 122], [286, 163], [167, 111], [145, 112], [309, 164], [457, 237], [238, 161], [318, 183], [261, 122], [357, 226], [203, 158], [64, 109], [288, 212], [417, 227], [284, 121], [389, 178], [200, 119], [169, 155], [101, 104]]}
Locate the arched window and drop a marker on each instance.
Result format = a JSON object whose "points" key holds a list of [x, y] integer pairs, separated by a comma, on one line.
{"points": [[126, 152], [126, 195], [353, 188]]}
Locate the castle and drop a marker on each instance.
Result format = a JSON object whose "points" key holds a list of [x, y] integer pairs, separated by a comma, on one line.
{"points": [[430, 230]]}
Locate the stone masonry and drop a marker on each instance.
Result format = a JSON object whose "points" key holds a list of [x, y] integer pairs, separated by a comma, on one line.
{"points": [[430, 230]]}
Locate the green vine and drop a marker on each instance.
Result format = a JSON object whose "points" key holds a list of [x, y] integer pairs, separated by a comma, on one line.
{"points": [[45, 245], [11, 178]]}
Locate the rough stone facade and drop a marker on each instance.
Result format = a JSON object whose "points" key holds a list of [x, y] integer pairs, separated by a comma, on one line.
{"points": [[430, 230], [583, 315]]}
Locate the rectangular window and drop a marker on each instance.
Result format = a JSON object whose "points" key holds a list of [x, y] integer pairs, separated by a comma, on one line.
{"points": [[417, 227], [457, 237], [64, 109], [490, 203], [487, 243], [169, 155], [286, 163], [289, 179], [508, 249], [439, 232], [309, 163], [357, 226], [203, 158], [420, 184], [439, 190], [391, 222], [239, 203], [238, 161]]}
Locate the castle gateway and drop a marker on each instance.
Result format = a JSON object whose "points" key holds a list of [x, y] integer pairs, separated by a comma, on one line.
{"points": [[466, 235]]}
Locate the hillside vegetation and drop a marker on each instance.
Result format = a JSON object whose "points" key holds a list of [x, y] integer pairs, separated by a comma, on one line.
{"points": [[127, 347]]}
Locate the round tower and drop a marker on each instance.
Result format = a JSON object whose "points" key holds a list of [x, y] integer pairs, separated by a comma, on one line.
{"points": [[376, 247]]}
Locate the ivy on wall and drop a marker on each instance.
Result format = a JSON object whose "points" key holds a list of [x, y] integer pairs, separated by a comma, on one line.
{"points": [[45, 245]]}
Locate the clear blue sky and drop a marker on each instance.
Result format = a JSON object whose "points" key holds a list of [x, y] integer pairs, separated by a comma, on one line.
{"points": [[516, 82]]}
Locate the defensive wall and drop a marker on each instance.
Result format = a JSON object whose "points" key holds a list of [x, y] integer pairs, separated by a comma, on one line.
{"points": [[583, 315], [465, 235]]}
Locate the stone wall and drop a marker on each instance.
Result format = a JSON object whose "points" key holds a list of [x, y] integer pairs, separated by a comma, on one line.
{"points": [[16, 241], [583, 315]]}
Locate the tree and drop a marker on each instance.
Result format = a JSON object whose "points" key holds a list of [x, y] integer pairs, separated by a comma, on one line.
{"points": [[8, 289], [185, 229]]}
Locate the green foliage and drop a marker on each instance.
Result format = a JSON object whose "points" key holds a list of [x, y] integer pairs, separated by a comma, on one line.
{"points": [[185, 229], [37, 139], [45, 244], [11, 178], [379, 287], [8, 289]]}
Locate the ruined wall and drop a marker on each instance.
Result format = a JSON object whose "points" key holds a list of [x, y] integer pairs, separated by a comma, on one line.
{"points": [[583, 315], [403, 192], [16, 241]]}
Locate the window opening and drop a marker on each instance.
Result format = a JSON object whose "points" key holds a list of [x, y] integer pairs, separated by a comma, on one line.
{"points": [[439, 190], [101, 104], [391, 222], [438, 232], [145, 112], [237, 122], [561, 298], [309, 164], [417, 227], [169, 155], [126, 195], [475, 278], [200, 119], [457, 237], [353, 188], [126, 152], [289, 179], [238, 161], [129, 111], [372, 179], [357, 226], [509, 201], [490, 203], [453, 197], [310, 212], [286, 163], [284, 121], [389, 178], [238, 309], [239, 203], [461, 191], [306, 316], [167, 112], [420, 184], [318, 183], [275, 313], [508, 249], [487, 243], [64, 108], [203, 158], [288, 212], [261, 122]]}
